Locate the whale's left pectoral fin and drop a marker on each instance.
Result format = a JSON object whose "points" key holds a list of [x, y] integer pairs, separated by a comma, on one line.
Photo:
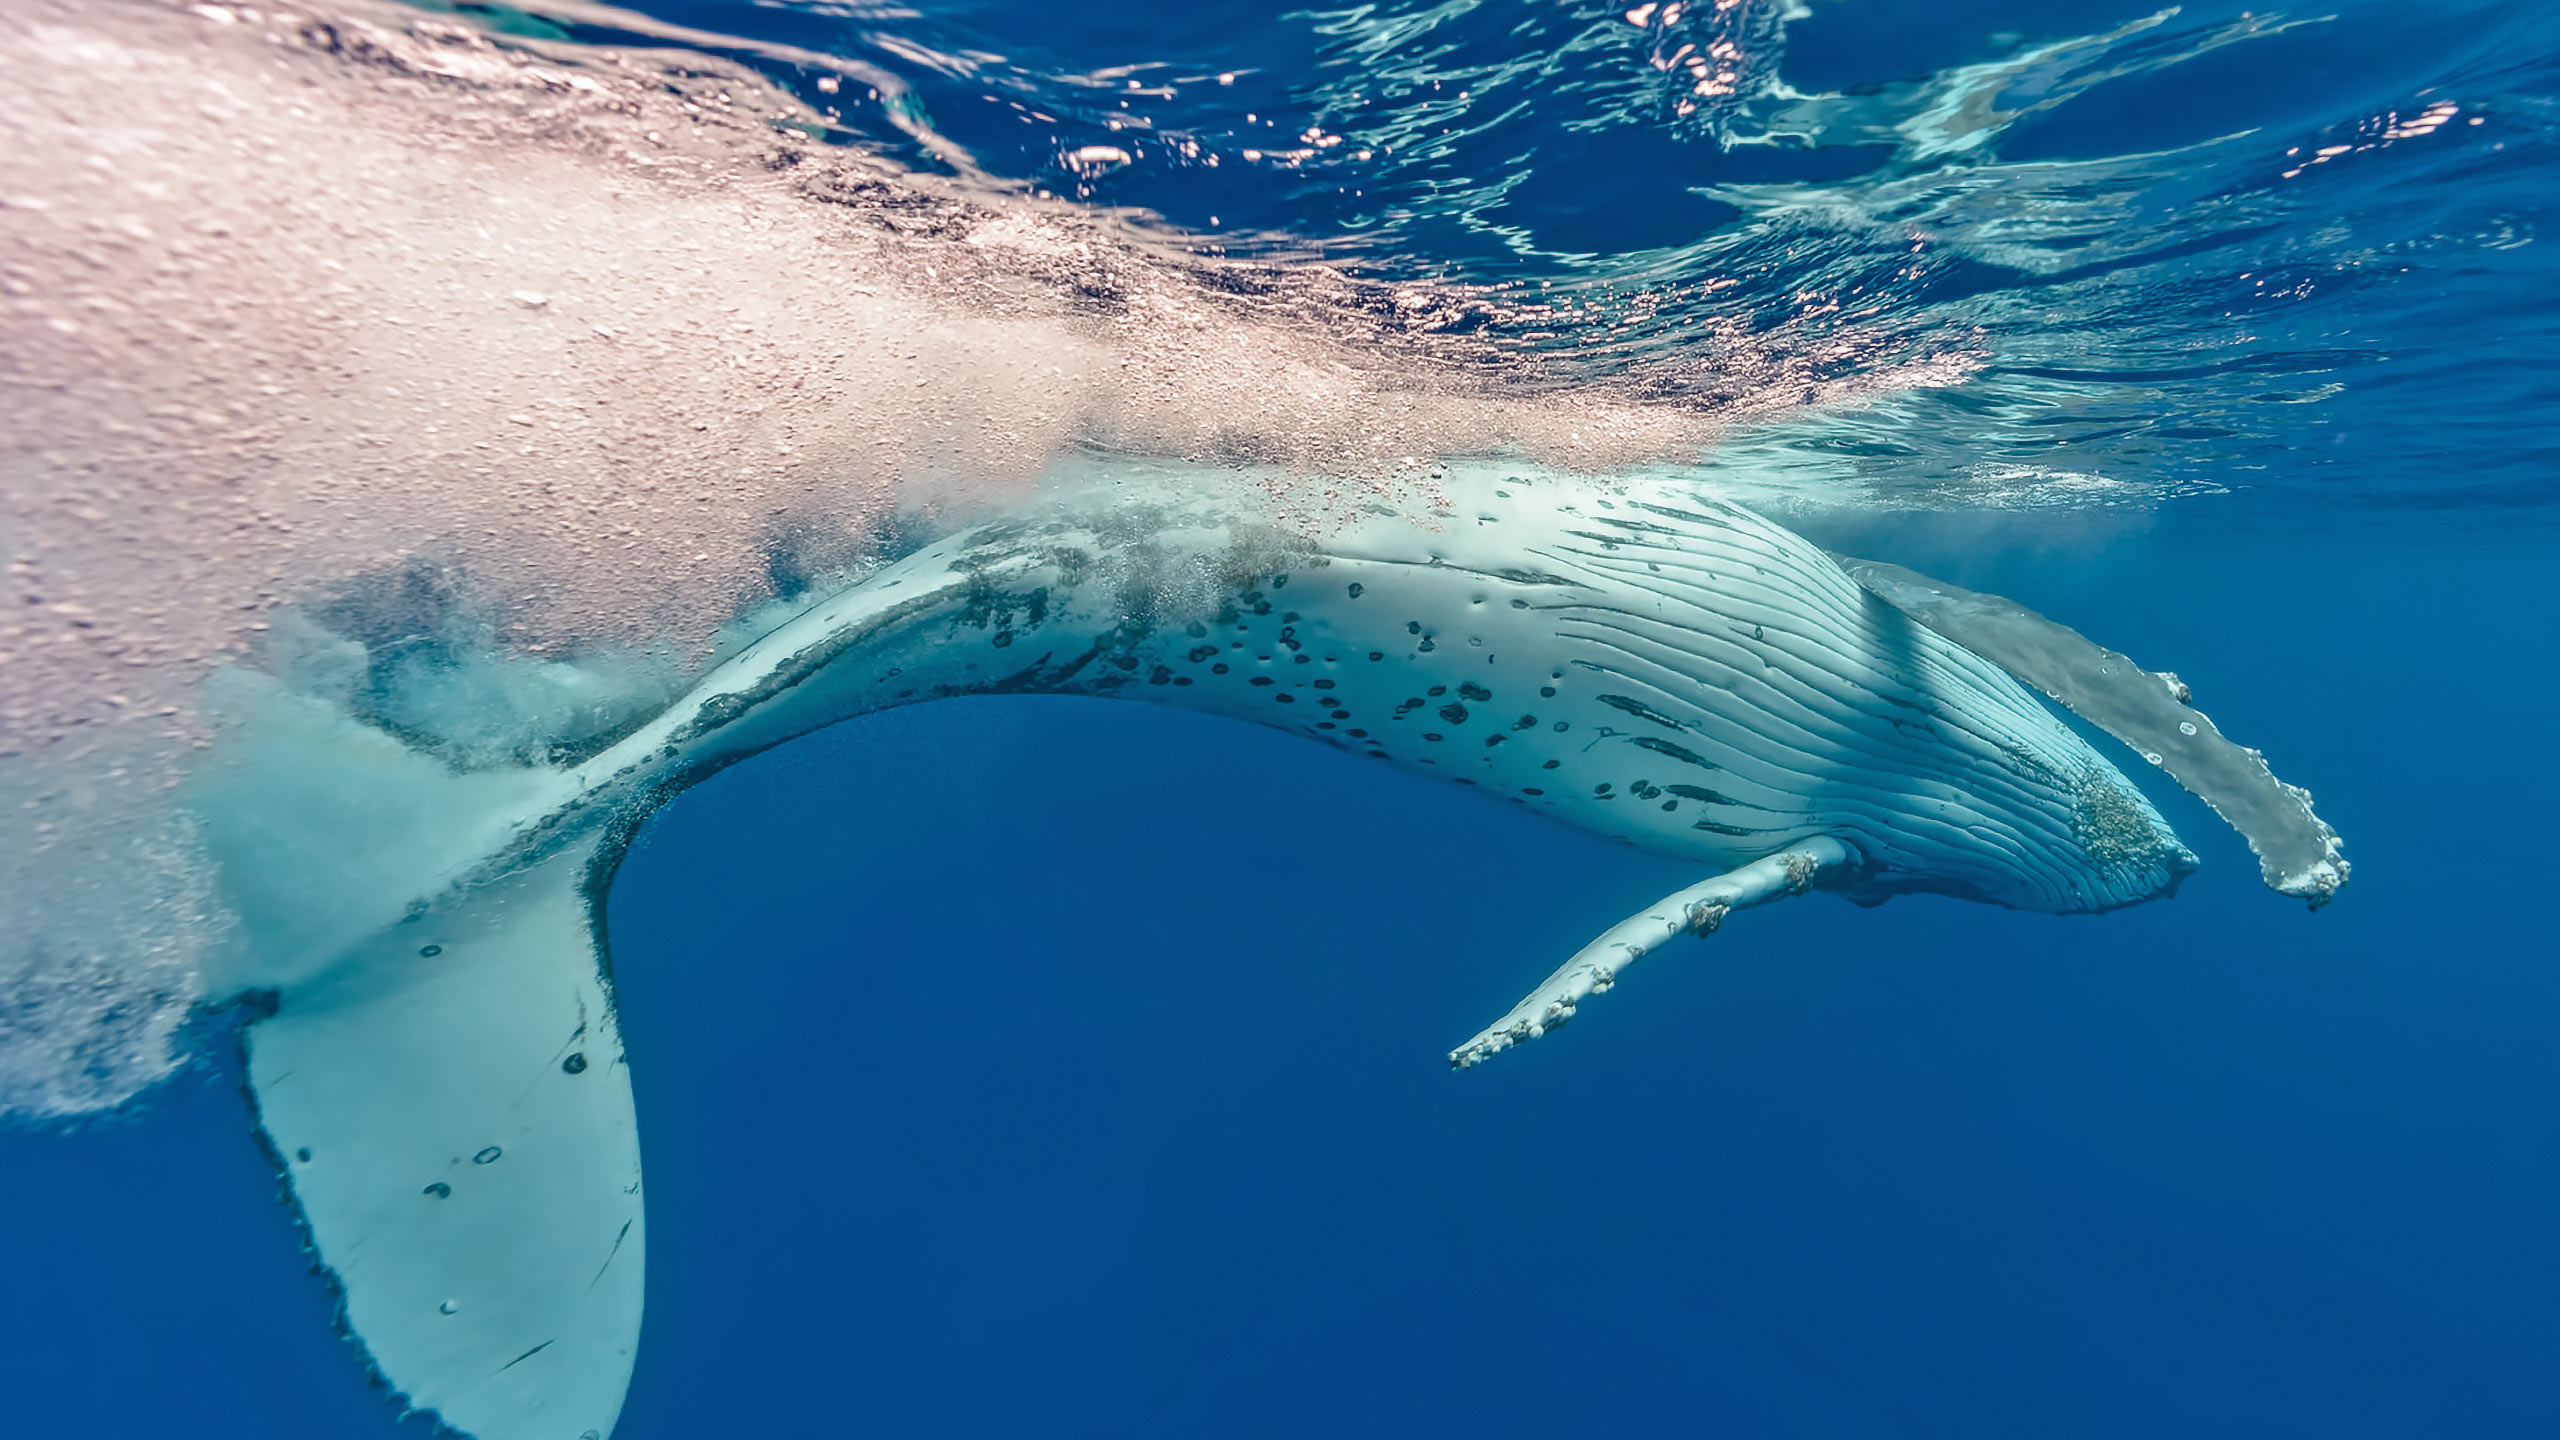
{"points": [[2298, 854], [451, 1107], [1697, 910]]}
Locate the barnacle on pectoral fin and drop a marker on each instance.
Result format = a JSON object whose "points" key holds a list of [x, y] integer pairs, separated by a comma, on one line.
{"points": [[2298, 854]]}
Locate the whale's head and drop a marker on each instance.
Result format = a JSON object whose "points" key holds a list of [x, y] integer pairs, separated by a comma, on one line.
{"points": [[2122, 849], [2062, 833]]}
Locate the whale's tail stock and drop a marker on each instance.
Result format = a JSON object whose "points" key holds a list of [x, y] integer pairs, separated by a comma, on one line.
{"points": [[436, 1068]]}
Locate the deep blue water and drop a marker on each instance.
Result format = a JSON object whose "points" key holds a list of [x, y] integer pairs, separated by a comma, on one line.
{"points": [[1050, 1066]]}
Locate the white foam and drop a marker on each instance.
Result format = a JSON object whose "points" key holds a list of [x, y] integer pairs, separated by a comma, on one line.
{"points": [[325, 293]]}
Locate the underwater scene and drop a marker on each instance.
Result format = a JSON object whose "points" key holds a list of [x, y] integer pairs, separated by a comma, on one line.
{"points": [[1845, 718]]}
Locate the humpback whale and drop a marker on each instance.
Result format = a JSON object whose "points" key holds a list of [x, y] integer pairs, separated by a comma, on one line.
{"points": [[436, 1061]]}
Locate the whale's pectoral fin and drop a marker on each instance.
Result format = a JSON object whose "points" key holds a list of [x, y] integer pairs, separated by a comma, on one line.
{"points": [[2298, 854], [1697, 910], [453, 1112]]}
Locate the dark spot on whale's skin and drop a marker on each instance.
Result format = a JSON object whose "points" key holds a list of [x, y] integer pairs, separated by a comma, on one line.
{"points": [[1699, 793], [1470, 690], [1263, 680], [1454, 714], [1550, 765], [303, 1154], [1285, 698], [429, 952], [1436, 691], [1160, 676], [1426, 647], [1640, 710], [1377, 654], [1356, 589], [1218, 669], [1341, 714], [1324, 684], [439, 1190], [1525, 722], [1676, 752], [1002, 639], [1546, 692], [576, 1064], [1492, 740], [1429, 736]]}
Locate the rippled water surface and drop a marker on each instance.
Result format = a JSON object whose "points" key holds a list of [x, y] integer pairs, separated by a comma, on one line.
{"points": [[1034, 1066], [2171, 240]]}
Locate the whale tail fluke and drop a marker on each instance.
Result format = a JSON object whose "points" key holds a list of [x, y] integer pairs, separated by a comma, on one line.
{"points": [[436, 1065], [454, 1114]]}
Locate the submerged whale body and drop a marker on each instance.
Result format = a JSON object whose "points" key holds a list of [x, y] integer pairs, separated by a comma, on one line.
{"points": [[440, 1073]]}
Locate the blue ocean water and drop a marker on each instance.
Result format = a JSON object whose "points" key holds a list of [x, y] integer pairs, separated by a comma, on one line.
{"points": [[1047, 1065]]}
